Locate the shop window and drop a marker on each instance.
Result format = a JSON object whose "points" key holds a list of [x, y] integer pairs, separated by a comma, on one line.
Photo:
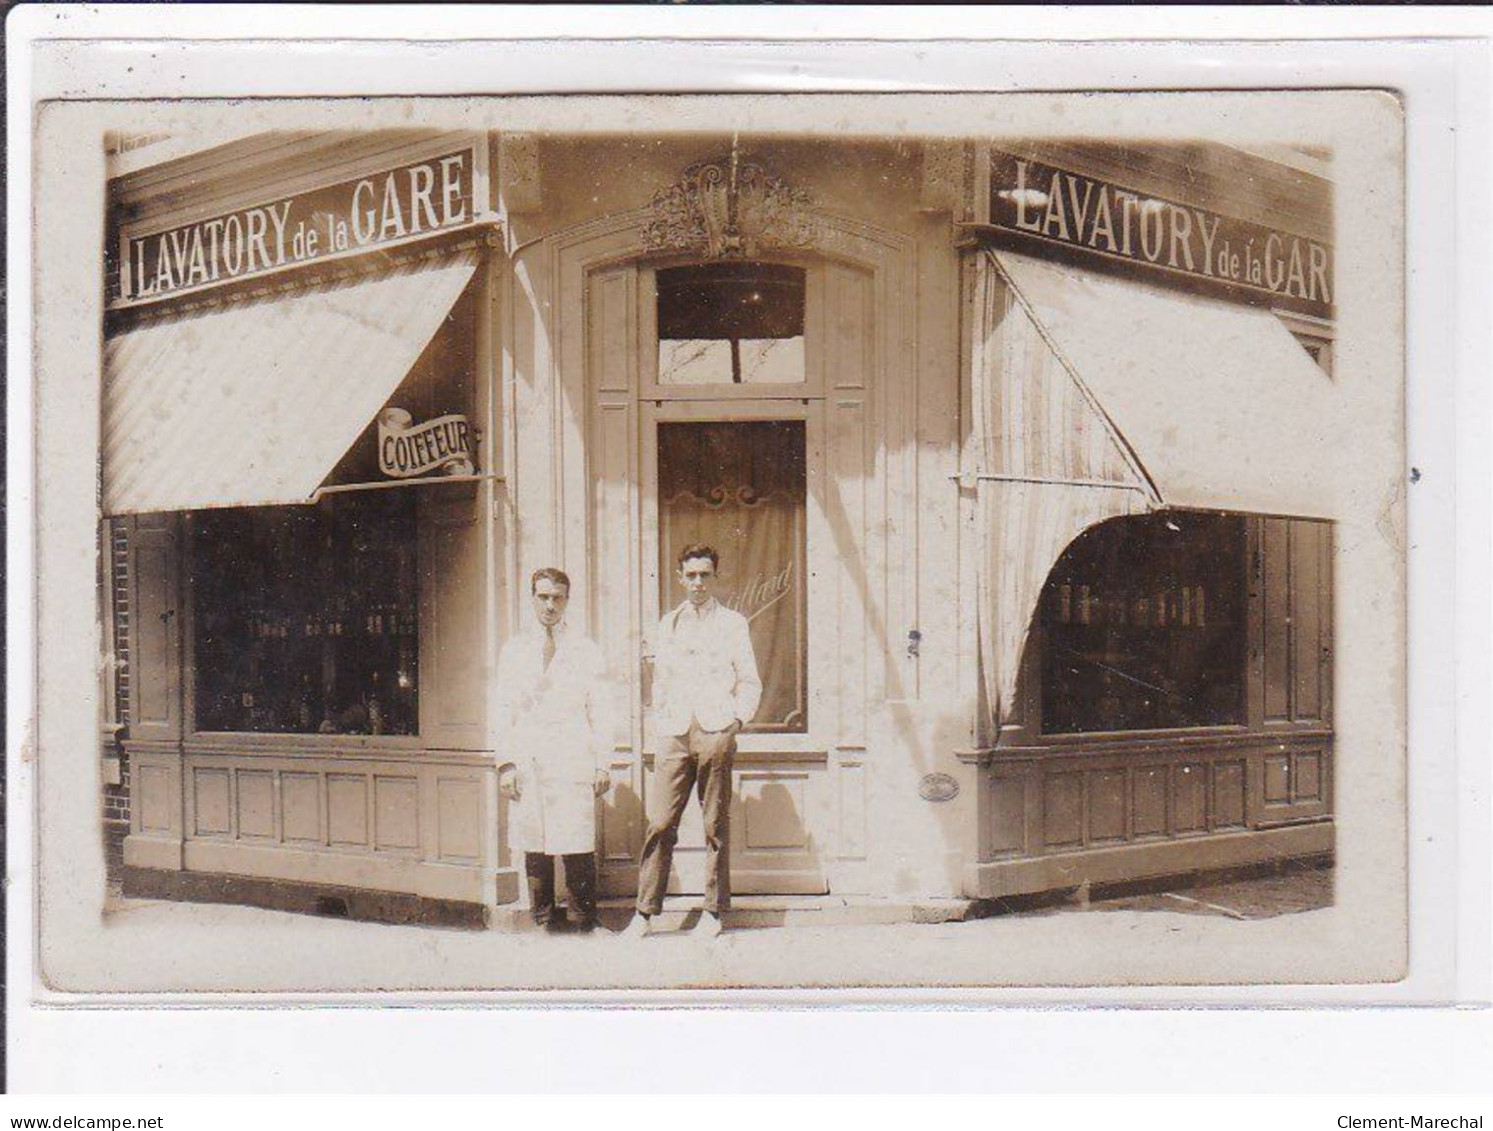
{"points": [[731, 323], [1143, 626], [304, 618], [741, 487]]}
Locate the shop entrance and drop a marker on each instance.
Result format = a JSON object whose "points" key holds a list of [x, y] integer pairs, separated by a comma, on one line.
{"points": [[729, 405], [740, 486]]}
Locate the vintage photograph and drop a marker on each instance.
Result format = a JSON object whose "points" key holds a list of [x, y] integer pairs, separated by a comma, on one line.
{"points": [[749, 552]]}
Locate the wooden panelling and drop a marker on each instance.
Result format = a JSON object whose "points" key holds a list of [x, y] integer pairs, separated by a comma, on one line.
{"points": [[155, 658], [773, 810], [341, 816], [612, 342], [1228, 794], [1278, 779], [1311, 611], [210, 803], [458, 817], [1294, 612], [452, 612], [254, 792], [1148, 804], [1275, 543], [396, 813], [851, 825], [850, 298], [1007, 824], [154, 798], [347, 810], [612, 604], [1308, 778], [1062, 809], [1159, 790], [847, 438], [622, 815], [614, 304], [300, 806], [1107, 817], [1189, 797]]}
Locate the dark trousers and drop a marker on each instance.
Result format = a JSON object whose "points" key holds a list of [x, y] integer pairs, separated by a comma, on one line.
{"points": [[700, 759], [580, 878]]}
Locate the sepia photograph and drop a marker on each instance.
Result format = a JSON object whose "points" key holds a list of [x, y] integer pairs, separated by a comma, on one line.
{"points": [[730, 543]]}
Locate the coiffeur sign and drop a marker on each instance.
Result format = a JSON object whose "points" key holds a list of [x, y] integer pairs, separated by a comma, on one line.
{"points": [[407, 449], [1171, 241], [400, 203]]}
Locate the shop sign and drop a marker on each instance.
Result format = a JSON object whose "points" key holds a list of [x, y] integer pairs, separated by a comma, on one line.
{"points": [[1175, 243], [393, 205], [407, 449]]}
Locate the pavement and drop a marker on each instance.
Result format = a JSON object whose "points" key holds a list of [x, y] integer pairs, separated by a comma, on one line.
{"points": [[1281, 929]]}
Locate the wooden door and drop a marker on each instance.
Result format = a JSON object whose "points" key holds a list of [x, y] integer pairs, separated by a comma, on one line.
{"points": [[798, 812]]}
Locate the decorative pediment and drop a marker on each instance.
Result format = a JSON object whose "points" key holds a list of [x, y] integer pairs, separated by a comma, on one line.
{"points": [[727, 207]]}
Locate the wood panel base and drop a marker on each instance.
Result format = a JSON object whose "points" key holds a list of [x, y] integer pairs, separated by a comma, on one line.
{"points": [[1133, 862]]}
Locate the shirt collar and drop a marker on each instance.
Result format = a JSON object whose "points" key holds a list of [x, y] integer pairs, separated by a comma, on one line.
{"points": [[560, 628], [687, 609]]}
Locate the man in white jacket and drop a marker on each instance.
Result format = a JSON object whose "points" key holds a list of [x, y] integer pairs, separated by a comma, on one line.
{"points": [[705, 689], [554, 723]]}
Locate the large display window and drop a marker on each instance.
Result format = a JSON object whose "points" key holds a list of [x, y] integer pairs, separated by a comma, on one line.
{"points": [[1144, 628], [305, 618]]}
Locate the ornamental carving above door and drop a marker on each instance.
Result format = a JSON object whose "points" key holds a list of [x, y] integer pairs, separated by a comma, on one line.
{"points": [[729, 206]]}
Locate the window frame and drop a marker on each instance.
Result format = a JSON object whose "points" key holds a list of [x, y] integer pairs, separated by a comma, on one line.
{"points": [[208, 741], [811, 388]]}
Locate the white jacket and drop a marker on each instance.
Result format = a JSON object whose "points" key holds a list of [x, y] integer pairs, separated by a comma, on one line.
{"points": [[709, 675], [555, 727]]}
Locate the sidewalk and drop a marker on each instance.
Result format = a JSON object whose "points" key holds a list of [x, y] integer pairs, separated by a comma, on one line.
{"points": [[1280, 929]]}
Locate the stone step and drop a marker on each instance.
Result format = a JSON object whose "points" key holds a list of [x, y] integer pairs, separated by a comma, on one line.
{"points": [[757, 911]]}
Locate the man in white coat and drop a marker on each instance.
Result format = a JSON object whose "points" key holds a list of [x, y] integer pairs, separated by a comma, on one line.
{"points": [[705, 689], [554, 727]]}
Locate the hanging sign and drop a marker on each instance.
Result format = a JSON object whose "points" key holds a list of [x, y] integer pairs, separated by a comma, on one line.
{"points": [[407, 449], [1171, 242], [386, 207]]}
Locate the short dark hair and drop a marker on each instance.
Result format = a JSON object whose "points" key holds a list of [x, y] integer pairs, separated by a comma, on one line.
{"points": [[549, 573], [700, 550]]}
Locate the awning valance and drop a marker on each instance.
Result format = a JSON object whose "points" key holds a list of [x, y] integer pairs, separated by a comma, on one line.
{"points": [[254, 403]]}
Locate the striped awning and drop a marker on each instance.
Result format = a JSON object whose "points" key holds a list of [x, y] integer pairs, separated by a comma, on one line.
{"points": [[253, 404]]}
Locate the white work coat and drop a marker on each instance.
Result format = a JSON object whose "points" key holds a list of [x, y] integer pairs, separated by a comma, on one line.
{"points": [[554, 726]]}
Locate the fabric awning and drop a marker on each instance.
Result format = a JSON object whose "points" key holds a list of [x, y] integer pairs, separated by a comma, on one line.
{"points": [[1220, 404], [1095, 398], [254, 404]]}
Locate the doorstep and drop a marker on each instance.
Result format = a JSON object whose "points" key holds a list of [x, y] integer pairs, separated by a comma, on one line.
{"points": [[756, 911]]}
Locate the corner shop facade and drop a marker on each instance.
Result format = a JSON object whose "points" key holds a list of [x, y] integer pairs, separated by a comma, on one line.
{"points": [[1013, 451]]}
